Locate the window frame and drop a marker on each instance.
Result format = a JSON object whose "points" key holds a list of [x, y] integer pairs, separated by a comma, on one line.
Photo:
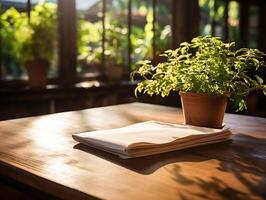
{"points": [[181, 14], [67, 50]]}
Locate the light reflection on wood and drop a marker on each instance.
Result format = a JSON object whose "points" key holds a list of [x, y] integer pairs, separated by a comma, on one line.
{"points": [[43, 147]]}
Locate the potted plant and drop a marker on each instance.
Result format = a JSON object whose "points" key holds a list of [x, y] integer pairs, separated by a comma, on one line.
{"points": [[39, 47], [32, 40], [206, 72]]}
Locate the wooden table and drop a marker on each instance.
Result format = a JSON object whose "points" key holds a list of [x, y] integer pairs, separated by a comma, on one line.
{"points": [[40, 153]]}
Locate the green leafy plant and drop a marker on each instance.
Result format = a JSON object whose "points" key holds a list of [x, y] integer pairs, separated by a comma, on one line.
{"points": [[11, 21], [30, 39], [116, 35], [9, 48], [89, 41], [40, 44], [206, 65], [116, 40]]}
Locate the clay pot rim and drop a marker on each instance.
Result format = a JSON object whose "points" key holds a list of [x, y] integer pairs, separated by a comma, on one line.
{"points": [[37, 61], [182, 93]]}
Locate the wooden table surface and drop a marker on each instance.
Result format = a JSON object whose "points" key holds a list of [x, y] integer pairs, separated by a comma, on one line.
{"points": [[40, 152]]}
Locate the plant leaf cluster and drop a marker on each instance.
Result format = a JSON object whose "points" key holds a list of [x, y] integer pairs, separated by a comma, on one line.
{"points": [[206, 65]]}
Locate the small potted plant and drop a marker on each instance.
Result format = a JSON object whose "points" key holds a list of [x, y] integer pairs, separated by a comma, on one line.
{"points": [[39, 47], [32, 40], [206, 72]]}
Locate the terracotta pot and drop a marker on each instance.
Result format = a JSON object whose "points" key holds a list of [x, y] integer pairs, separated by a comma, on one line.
{"points": [[114, 72], [203, 109], [37, 72]]}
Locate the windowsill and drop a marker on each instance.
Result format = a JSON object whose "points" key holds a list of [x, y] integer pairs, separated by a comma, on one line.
{"points": [[26, 101], [89, 79], [22, 86]]}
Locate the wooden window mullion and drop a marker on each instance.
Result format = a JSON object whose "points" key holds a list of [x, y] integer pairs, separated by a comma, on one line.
{"points": [[244, 25], [28, 9], [185, 17], [67, 42], [1, 52]]}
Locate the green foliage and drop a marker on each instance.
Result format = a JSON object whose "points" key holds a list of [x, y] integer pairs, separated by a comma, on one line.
{"points": [[30, 39], [11, 21], [91, 36], [116, 34], [206, 65], [141, 39], [89, 41]]}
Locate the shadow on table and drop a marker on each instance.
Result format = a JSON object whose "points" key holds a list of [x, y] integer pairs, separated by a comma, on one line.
{"points": [[244, 158], [148, 164]]}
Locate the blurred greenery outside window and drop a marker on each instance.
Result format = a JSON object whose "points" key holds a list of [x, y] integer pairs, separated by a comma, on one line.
{"points": [[150, 31], [163, 26], [114, 42], [213, 22], [212, 13], [234, 22], [116, 31], [14, 31]]}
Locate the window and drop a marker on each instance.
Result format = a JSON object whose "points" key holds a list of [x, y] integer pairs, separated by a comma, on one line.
{"points": [[116, 33], [142, 30], [21, 21], [90, 36], [121, 32], [213, 17], [163, 30], [232, 20], [9, 65]]}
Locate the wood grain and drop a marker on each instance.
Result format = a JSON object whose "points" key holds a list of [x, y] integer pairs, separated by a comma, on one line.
{"points": [[40, 152]]}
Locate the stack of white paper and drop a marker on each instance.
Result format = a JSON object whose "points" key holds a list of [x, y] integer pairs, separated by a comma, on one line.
{"points": [[151, 137]]}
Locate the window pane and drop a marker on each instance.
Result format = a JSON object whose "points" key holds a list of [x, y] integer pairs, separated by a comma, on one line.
{"points": [[219, 18], [90, 33], [24, 39], [10, 67], [233, 22], [212, 17], [253, 27], [116, 33], [205, 16], [163, 25], [141, 30], [116, 39]]}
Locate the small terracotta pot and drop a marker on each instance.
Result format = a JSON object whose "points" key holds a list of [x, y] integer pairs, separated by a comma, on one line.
{"points": [[114, 72], [201, 109], [37, 72]]}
